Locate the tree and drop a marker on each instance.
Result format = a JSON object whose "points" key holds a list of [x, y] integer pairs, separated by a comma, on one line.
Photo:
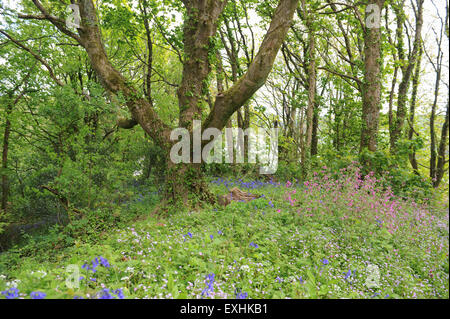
{"points": [[408, 63], [200, 26], [371, 97]]}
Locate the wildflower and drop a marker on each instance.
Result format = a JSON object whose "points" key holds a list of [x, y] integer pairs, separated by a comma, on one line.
{"points": [[270, 203], [252, 244], [348, 274], [209, 281], [38, 295], [104, 262], [219, 232], [240, 295], [119, 293], [245, 268], [211, 236], [11, 293], [325, 261], [105, 294]]}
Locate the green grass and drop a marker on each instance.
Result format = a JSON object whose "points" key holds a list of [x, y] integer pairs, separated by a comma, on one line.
{"points": [[304, 249]]}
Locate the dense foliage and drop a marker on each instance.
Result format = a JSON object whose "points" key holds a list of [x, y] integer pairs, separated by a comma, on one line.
{"points": [[361, 186]]}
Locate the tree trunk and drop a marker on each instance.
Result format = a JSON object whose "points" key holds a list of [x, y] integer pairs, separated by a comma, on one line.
{"points": [[396, 131], [441, 152], [412, 109], [5, 181], [371, 97], [199, 28]]}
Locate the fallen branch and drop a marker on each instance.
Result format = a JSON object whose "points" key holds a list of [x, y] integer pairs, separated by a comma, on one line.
{"points": [[235, 195]]}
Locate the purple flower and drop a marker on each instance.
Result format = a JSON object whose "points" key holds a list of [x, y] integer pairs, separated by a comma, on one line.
{"points": [[96, 263], [188, 234], [211, 236], [11, 293], [38, 295], [105, 294], [104, 262], [209, 281], [348, 274], [119, 293], [240, 295], [252, 244], [325, 261]]}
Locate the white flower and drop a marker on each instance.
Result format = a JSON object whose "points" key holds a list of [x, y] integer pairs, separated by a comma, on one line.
{"points": [[13, 283], [124, 278], [245, 268], [129, 269]]}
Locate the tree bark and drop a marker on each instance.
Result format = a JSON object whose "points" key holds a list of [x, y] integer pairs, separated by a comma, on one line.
{"points": [[5, 149], [396, 130], [412, 110], [441, 152], [371, 97], [199, 27]]}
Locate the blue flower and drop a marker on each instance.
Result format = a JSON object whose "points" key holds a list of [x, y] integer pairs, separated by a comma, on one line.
{"points": [[104, 262], [96, 263], [325, 261], [209, 281], [11, 293], [38, 295], [239, 294], [348, 274], [252, 244], [105, 294], [119, 293], [211, 236], [219, 232]]}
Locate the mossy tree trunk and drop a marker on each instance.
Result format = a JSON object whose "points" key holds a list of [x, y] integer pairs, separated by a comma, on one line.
{"points": [[184, 181]]}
